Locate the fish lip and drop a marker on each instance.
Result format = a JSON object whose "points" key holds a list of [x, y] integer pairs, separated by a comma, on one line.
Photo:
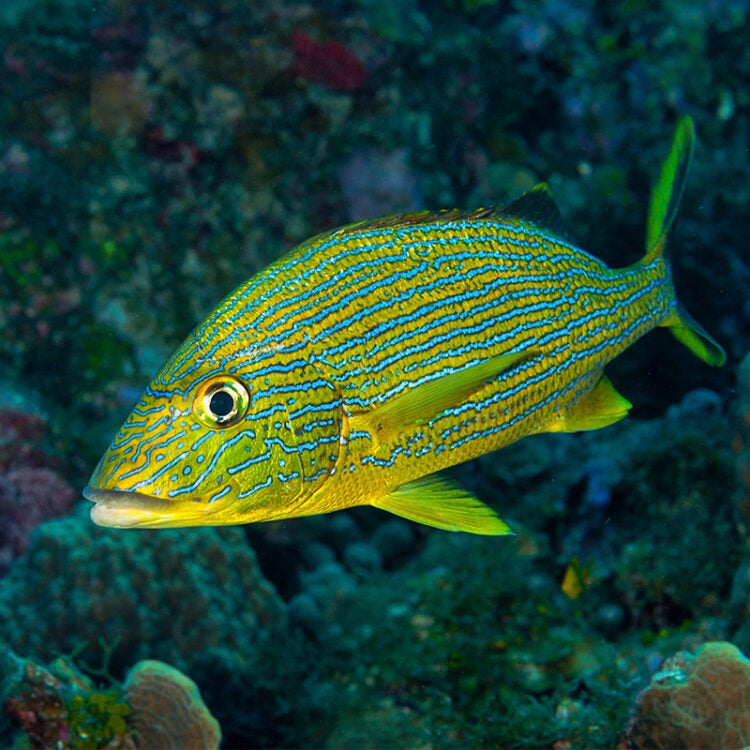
{"points": [[121, 498], [126, 509]]}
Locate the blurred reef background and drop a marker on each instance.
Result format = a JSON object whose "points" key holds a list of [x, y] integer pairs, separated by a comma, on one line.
{"points": [[153, 155]]}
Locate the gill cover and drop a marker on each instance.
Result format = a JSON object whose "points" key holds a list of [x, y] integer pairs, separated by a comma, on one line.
{"points": [[315, 411]]}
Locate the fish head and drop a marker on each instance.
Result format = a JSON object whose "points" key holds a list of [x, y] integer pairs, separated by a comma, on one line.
{"points": [[222, 448]]}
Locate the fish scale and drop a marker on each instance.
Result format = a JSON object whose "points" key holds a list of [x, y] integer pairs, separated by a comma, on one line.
{"points": [[372, 357]]}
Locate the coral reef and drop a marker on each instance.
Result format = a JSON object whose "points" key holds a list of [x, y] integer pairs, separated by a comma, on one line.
{"points": [[739, 605], [31, 489], [22, 433], [28, 496], [58, 706], [695, 701], [157, 708], [645, 531], [169, 595], [742, 446], [479, 652]]}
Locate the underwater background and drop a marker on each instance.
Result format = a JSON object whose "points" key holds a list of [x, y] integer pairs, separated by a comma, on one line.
{"points": [[154, 155]]}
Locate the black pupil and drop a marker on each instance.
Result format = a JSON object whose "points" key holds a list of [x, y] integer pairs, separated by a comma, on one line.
{"points": [[221, 404]]}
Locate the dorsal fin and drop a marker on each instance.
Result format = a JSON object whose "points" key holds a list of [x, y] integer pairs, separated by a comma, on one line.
{"points": [[538, 207], [418, 218]]}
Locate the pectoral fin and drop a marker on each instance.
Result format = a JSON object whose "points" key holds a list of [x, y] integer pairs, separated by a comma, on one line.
{"points": [[428, 400], [600, 407], [435, 501]]}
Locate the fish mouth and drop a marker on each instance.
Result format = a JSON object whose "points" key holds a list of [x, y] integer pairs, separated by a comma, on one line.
{"points": [[126, 509]]}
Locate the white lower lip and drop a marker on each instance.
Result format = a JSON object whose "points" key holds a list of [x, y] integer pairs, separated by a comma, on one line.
{"points": [[120, 518], [123, 510], [128, 509]]}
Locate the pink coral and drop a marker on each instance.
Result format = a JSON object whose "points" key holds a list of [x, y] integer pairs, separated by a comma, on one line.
{"points": [[31, 491], [20, 435], [28, 496], [329, 63]]}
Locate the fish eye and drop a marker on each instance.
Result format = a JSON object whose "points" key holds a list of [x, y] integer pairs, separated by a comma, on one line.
{"points": [[222, 401]]}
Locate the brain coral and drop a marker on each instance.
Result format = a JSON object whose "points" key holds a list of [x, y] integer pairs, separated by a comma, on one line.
{"points": [[167, 710], [695, 702], [168, 594]]}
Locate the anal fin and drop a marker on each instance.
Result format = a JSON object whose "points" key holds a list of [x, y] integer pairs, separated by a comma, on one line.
{"points": [[600, 407], [442, 503]]}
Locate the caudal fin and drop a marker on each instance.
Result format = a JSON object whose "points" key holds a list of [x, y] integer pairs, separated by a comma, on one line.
{"points": [[662, 210]]}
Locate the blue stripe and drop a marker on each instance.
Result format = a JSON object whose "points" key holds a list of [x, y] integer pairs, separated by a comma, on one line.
{"points": [[218, 495], [164, 469], [255, 488]]}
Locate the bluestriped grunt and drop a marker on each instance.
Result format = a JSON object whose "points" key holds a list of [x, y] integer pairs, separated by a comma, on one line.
{"points": [[371, 357]]}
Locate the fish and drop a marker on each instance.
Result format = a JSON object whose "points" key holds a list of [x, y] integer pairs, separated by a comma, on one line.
{"points": [[357, 368], [578, 577]]}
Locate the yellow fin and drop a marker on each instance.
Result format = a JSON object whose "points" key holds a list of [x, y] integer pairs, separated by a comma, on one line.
{"points": [[662, 210], [694, 336], [667, 192], [600, 407], [442, 503], [426, 401]]}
